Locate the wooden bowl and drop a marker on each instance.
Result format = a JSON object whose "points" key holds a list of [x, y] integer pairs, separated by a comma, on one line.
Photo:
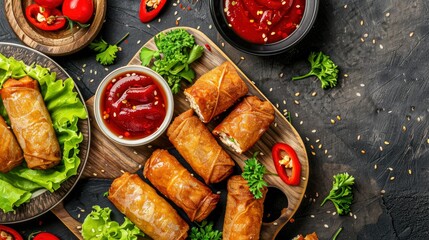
{"points": [[56, 43]]}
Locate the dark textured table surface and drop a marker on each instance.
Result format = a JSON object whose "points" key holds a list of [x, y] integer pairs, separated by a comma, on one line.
{"points": [[372, 125]]}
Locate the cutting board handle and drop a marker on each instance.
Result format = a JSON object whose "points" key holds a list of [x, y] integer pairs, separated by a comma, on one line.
{"points": [[72, 224]]}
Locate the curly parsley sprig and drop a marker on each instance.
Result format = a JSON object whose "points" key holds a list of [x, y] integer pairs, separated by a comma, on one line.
{"points": [[253, 173], [323, 68], [341, 194], [106, 52], [205, 231]]}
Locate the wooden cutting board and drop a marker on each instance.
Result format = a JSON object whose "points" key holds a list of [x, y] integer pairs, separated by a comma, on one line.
{"points": [[109, 160]]}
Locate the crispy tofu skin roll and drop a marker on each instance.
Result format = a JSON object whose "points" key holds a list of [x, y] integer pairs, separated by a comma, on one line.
{"points": [[146, 209], [199, 148], [174, 181], [243, 216], [31, 123], [10, 152], [243, 127], [216, 91]]}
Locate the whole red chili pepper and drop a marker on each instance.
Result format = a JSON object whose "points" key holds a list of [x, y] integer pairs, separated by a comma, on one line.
{"points": [[149, 9], [47, 19], [7, 230], [295, 177]]}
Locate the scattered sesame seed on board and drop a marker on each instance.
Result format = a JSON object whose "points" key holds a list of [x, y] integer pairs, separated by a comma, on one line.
{"points": [[284, 102], [362, 40], [296, 102], [390, 169], [313, 153], [297, 94], [362, 151], [281, 75], [90, 71], [271, 89], [198, 27], [102, 170], [404, 128], [139, 41], [223, 44], [175, 13], [275, 223], [79, 227], [361, 22], [375, 166], [338, 117], [383, 191], [392, 178], [386, 143], [358, 94], [345, 6], [373, 41], [210, 26], [241, 58], [381, 148], [218, 192], [332, 121], [326, 226], [313, 94], [334, 213], [314, 131], [358, 137], [381, 46], [410, 172], [78, 215], [411, 34], [387, 14], [312, 216], [296, 115], [122, 171], [84, 65], [148, 25], [354, 216], [301, 122]]}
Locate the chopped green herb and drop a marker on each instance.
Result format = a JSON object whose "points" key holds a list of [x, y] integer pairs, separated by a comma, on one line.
{"points": [[341, 194], [205, 231], [337, 233], [106, 52], [176, 51], [254, 173], [323, 68]]}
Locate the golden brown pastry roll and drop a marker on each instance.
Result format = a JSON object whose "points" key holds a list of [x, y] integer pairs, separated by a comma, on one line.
{"points": [[10, 152], [216, 91], [31, 123], [146, 209], [243, 216], [187, 192], [199, 148], [245, 124]]}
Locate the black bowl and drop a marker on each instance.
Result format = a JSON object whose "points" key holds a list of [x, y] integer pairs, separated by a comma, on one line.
{"points": [[219, 19]]}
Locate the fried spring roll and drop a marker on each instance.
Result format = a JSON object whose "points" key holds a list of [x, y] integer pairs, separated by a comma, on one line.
{"points": [[243, 127], [187, 192], [199, 148], [31, 123], [146, 209], [216, 91], [243, 216], [10, 152]]}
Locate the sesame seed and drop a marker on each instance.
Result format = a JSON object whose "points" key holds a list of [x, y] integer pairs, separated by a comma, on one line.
{"points": [[281, 75], [148, 26], [275, 223], [210, 26], [390, 169], [361, 22], [301, 122], [198, 27], [409, 171], [358, 137], [296, 102], [363, 151], [122, 171], [334, 213], [326, 226], [339, 117], [296, 115], [175, 13], [79, 227], [139, 41], [373, 41], [223, 44], [284, 102], [313, 153], [242, 58], [120, 136], [386, 142], [78, 215], [297, 94], [345, 6], [383, 191], [94, 174], [411, 34], [275, 124], [381, 46], [387, 14], [332, 121], [362, 40], [365, 35], [381, 148], [392, 178], [218, 192], [404, 128], [375, 166], [271, 89], [314, 131], [149, 146], [313, 94], [179, 18], [102, 170], [354, 216], [312, 216], [358, 94]]}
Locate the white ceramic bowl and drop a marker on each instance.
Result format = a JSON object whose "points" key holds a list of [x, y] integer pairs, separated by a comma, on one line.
{"points": [[160, 82]]}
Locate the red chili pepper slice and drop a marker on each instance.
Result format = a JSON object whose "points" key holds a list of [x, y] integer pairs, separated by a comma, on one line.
{"points": [[295, 177], [147, 13], [7, 230], [47, 19]]}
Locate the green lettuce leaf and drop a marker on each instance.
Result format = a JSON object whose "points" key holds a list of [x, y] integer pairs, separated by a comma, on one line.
{"points": [[12, 197], [65, 109], [98, 226]]}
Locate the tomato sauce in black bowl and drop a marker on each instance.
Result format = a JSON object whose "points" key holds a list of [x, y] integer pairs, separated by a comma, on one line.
{"points": [[263, 27]]}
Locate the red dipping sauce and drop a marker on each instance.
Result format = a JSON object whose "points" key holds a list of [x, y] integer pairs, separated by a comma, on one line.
{"points": [[264, 21], [133, 105]]}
